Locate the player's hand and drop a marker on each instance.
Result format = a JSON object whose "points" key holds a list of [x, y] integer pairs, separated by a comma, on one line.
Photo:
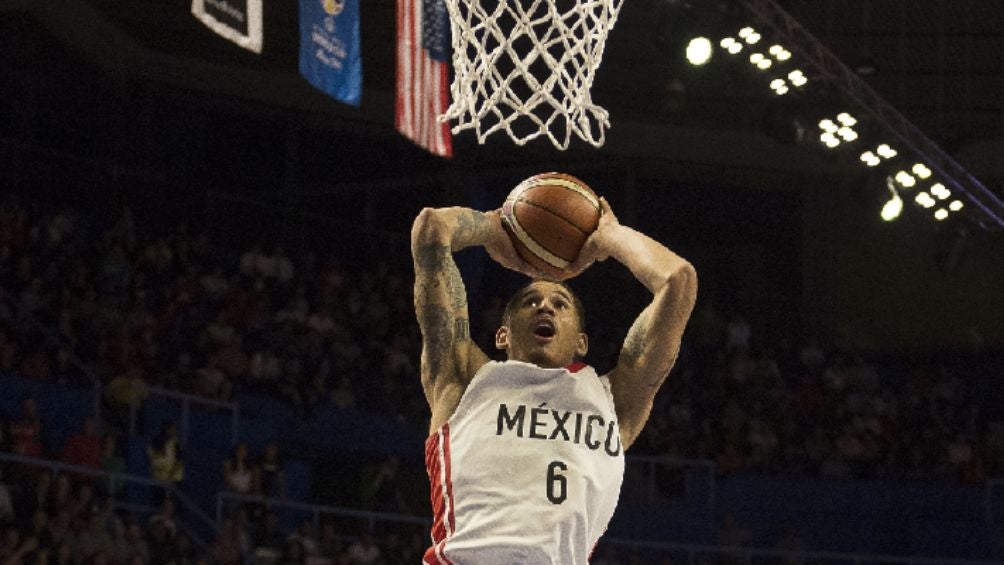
{"points": [[500, 248], [597, 246]]}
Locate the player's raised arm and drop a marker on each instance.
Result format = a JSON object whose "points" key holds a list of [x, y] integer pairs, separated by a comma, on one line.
{"points": [[653, 342], [449, 357]]}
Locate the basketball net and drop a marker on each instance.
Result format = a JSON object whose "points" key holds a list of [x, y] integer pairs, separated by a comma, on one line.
{"points": [[526, 67]]}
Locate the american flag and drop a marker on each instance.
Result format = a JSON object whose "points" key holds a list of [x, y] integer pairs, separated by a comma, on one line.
{"points": [[423, 88]]}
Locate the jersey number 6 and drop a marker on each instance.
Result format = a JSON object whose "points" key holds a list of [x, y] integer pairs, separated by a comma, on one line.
{"points": [[557, 484]]}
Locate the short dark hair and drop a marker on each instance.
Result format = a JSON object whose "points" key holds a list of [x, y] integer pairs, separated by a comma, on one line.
{"points": [[513, 303]]}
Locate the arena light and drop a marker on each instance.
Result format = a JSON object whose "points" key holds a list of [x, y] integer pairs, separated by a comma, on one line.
{"points": [[764, 64], [779, 86], [847, 119], [699, 51], [735, 48], [746, 32], [886, 152], [955, 206], [756, 58], [797, 78], [728, 42], [870, 159], [922, 172], [834, 133], [940, 191], [779, 53], [829, 140], [847, 134], [894, 206], [905, 179], [941, 215], [924, 199]]}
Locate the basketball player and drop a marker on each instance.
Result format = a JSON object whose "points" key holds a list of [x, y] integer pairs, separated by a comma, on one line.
{"points": [[526, 457]]}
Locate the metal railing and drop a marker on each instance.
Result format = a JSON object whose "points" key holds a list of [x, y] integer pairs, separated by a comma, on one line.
{"points": [[687, 474], [190, 509], [316, 510], [140, 391]]}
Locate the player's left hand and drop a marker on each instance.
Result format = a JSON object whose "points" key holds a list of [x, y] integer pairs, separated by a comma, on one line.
{"points": [[597, 246]]}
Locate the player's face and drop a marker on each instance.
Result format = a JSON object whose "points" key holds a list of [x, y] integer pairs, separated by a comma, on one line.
{"points": [[544, 328]]}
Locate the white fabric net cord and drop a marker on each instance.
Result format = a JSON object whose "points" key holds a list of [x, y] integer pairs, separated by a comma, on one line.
{"points": [[526, 67]]}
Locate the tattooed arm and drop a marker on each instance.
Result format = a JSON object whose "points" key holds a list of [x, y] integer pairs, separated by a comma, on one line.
{"points": [[653, 342], [449, 357]]}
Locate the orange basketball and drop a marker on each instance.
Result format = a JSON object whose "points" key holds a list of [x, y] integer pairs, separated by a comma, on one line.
{"points": [[549, 216]]}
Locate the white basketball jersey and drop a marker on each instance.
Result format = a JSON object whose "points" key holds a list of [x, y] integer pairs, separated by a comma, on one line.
{"points": [[528, 469]]}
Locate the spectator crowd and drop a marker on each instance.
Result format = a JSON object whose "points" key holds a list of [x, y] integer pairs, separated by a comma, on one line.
{"points": [[82, 298]]}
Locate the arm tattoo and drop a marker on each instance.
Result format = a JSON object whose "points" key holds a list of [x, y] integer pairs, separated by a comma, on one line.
{"points": [[462, 330], [441, 306], [469, 225], [436, 331], [431, 258]]}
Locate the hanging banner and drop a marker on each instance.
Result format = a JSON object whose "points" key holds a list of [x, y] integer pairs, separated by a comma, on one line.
{"points": [[329, 48], [237, 20]]}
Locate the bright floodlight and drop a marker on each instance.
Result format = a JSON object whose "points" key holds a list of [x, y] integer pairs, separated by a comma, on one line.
{"points": [[922, 171], [764, 65], [870, 159], [746, 32], [783, 56], [735, 48], [753, 38], [777, 83], [756, 58], [941, 214], [797, 78], [828, 125], [847, 134], [886, 152], [893, 208], [829, 140], [699, 51], [728, 42], [781, 91], [906, 179], [940, 191], [955, 206], [846, 119], [925, 200]]}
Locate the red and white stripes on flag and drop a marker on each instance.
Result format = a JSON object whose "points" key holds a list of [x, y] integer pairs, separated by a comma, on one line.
{"points": [[423, 87]]}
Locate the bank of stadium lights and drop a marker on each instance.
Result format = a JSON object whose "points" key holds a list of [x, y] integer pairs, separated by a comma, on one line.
{"points": [[881, 153], [731, 45], [841, 130], [921, 171], [750, 35], [940, 193]]}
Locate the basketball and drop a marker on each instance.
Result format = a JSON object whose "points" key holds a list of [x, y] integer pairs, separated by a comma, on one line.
{"points": [[549, 217]]}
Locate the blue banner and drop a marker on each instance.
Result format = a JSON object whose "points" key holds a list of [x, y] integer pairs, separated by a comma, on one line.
{"points": [[329, 48]]}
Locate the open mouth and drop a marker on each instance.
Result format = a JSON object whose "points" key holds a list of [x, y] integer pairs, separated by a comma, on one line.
{"points": [[543, 329]]}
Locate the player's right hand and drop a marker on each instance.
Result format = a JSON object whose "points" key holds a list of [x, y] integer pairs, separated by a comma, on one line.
{"points": [[500, 248]]}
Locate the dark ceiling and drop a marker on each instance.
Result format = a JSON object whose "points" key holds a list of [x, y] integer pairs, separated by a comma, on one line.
{"points": [[940, 62]]}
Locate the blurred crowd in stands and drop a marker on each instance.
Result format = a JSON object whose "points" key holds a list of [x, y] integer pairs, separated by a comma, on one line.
{"points": [[82, 299]]}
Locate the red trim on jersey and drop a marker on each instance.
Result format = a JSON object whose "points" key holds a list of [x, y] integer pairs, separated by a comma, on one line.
{"points": [[437, 465], [576, 367]]}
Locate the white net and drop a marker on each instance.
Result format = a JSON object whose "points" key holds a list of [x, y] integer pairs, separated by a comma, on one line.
{"points": [[527, 66]]}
